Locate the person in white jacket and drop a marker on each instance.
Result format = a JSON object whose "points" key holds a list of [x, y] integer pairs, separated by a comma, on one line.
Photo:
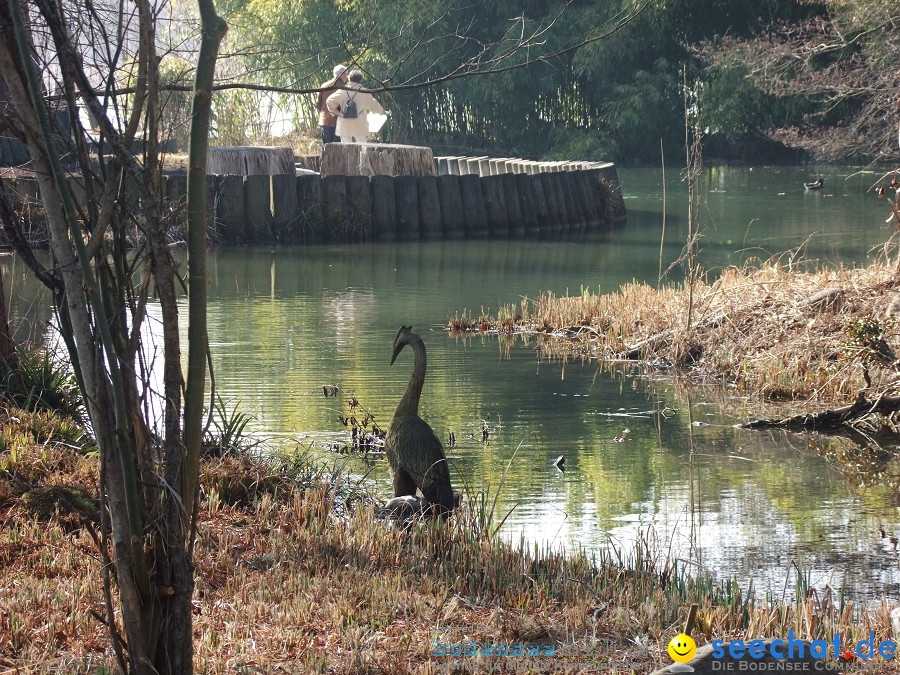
{"points": [[353, 129]]}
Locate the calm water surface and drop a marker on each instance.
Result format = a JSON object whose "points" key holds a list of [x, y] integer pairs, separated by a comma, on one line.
{"points": [[285, 321]]}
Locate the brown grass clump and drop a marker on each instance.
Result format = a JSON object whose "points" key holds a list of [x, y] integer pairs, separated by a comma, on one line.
{"points": [[762, 328]]}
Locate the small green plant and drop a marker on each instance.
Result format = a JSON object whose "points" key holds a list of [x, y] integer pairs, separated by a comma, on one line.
{"points": [[866, 335], [42, 381], [230, 430], [865, 342]]}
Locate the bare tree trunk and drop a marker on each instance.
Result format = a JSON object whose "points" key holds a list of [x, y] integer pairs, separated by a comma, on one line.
{"points": [[177, 640], [149, 486]]}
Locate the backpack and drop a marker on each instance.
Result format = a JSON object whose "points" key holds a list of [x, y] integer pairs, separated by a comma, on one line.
{"points": [[349, 110]]}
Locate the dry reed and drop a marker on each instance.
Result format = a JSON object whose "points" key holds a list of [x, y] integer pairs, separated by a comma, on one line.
{"points": [[754, 326]]}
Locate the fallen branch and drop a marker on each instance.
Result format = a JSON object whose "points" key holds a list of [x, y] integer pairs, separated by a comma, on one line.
{"points": [[829, 420]]}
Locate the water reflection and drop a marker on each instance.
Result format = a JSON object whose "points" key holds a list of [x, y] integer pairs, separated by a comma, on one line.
{"points": [[284, 322]]}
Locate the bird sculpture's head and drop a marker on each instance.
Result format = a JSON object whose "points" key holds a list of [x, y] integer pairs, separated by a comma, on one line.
{"points": [[401, 341]]}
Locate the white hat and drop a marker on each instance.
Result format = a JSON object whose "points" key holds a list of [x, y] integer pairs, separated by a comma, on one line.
{"points": [[339, 70]]}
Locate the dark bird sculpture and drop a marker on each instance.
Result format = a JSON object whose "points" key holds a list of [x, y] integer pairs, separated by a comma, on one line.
{"points": [[414, 452], [817, 184], [560, 463]]}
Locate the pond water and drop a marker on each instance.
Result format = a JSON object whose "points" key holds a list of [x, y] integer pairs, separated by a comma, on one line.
{"points": [[283, 322]]}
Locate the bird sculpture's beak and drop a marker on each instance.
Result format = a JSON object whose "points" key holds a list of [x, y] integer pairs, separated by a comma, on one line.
{"points": [[397, 350]]}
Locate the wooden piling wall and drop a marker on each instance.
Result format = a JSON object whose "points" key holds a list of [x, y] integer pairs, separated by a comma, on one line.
{"points": [[469, 197]]}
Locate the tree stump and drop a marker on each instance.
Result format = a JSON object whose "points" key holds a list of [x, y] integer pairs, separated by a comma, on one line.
{"points": [[247, 161], [371, 159]]}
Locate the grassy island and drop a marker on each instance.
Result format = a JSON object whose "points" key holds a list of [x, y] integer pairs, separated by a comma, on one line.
{"points": [[781, 331]]}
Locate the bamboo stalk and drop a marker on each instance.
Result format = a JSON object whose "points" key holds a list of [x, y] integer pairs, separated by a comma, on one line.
{"points": [[213, 30]]}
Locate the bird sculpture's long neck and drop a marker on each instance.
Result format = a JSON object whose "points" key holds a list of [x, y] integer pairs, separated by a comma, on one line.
{"points": [[409, 404]]}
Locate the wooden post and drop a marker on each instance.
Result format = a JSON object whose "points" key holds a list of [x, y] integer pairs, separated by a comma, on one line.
{"points": [[308, 162], [384, 213], [359, 203], [553, 217], [473, 201], [230, 210], [285, 208], [406, 203], [580, 198], [213, 187], [587, 199], [258, 209], [495, 205], [176, 194], [451, 206], [573, 206], [430, 225], [565, 189], [541, 211], [526, 203], [442, 165], [513, 205], [474, 164], [369, 159], [611, 178], [599, 197], [562, 201], [310, 200], [334, 208], [249, 161]]}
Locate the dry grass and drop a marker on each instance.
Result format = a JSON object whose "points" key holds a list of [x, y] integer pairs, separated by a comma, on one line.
{"points": [[752, 326], [286, 585]]}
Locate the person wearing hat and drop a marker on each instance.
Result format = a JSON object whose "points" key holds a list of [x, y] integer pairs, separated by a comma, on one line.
{"points": [[353, 129], [327, 120]]}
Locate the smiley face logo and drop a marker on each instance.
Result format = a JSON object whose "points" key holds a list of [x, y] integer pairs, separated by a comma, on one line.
{"points": [[682, 648]]}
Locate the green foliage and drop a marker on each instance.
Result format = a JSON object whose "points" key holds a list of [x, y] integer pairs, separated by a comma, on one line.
{"points": [[230, 431], [49, 501], [42, 381], [583, 143], [175, 106], [865, 339], [610, 99]]}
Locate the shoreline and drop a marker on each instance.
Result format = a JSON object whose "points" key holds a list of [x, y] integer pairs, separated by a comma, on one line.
{"points": [[282, 582], [800, 338]]}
